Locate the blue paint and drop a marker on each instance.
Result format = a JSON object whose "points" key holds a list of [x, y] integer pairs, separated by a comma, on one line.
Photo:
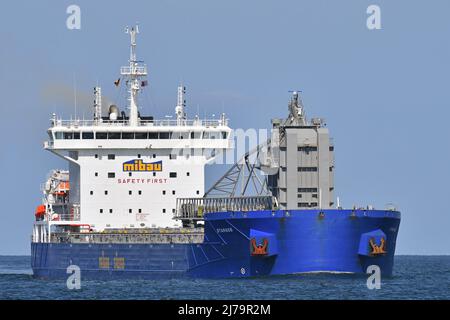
{"points": [[298, 241]]}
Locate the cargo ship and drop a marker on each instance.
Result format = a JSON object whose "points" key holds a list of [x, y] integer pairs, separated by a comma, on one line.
{"points": [[133, 204]]}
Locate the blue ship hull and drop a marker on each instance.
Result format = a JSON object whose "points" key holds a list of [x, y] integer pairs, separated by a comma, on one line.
{"points": [[241, 244]]}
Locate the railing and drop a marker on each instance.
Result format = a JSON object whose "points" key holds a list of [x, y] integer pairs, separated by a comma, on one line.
{"points": [[67, 213], [139, 71], [171, 237], [142, 123], [195, 208]]}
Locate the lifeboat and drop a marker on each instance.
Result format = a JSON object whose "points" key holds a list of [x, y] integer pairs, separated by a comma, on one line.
{"points": [[40, 211]]}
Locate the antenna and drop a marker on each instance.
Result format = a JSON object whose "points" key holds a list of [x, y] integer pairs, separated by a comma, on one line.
{"points": [[75, 94], [181, 104], [296, 110], [134, 73]]}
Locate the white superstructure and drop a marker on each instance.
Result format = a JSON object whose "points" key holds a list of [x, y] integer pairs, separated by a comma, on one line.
{"points": [[126, 171]]}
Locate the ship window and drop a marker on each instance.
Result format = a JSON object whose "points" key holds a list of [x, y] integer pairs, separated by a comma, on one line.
{"points": [[87, 135], [101, 210], [106, 192], [173, 175], [68, 135], [130, 174], [299, 196], [331, 148], [128, 135], [110, 210], [58, 135], [96, 156], [331, 169], [154, 174], [164, 135], [164, 192], [172, 156], [306, 149], [140, 192], [139, 156], [188, 174], [96, 174], [307, 169], [153, 135], [196, 135], [140, 135], [140, 210], [154, 156], [180, 135], [113, 135], [100, 135], [198, 192], [173, 210], [307, 190], [173, 192], [76, 135], [130, 192], [164, 210], [92, 192], [314, 195], [130, 210], [224, 135], [111, 156]]}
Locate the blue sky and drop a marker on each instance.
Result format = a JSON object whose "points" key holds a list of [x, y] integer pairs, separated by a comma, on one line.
{"points": [[384, 92]]}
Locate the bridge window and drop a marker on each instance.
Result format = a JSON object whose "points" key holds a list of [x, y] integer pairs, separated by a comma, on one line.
{"points": [[164, 135], [113, 135], [76, 135], [224, 134], [128, 135], [101, 135], [196, 135], [58, 135], [140, 135], [87, 135], [111, 156], [68, 135]]}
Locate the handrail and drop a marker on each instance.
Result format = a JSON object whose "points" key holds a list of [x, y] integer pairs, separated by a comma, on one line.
{"points": [[142, 123], [195, 208]]}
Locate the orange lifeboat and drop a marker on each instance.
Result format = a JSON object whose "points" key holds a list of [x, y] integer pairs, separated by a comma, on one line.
{"points": [[40, 211]]}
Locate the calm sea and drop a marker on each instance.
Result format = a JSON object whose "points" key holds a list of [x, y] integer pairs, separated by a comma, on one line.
{"points": [[415, 277]]}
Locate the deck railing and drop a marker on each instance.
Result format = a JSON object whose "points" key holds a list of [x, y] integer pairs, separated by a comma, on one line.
{"points": [[195, 208]]}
